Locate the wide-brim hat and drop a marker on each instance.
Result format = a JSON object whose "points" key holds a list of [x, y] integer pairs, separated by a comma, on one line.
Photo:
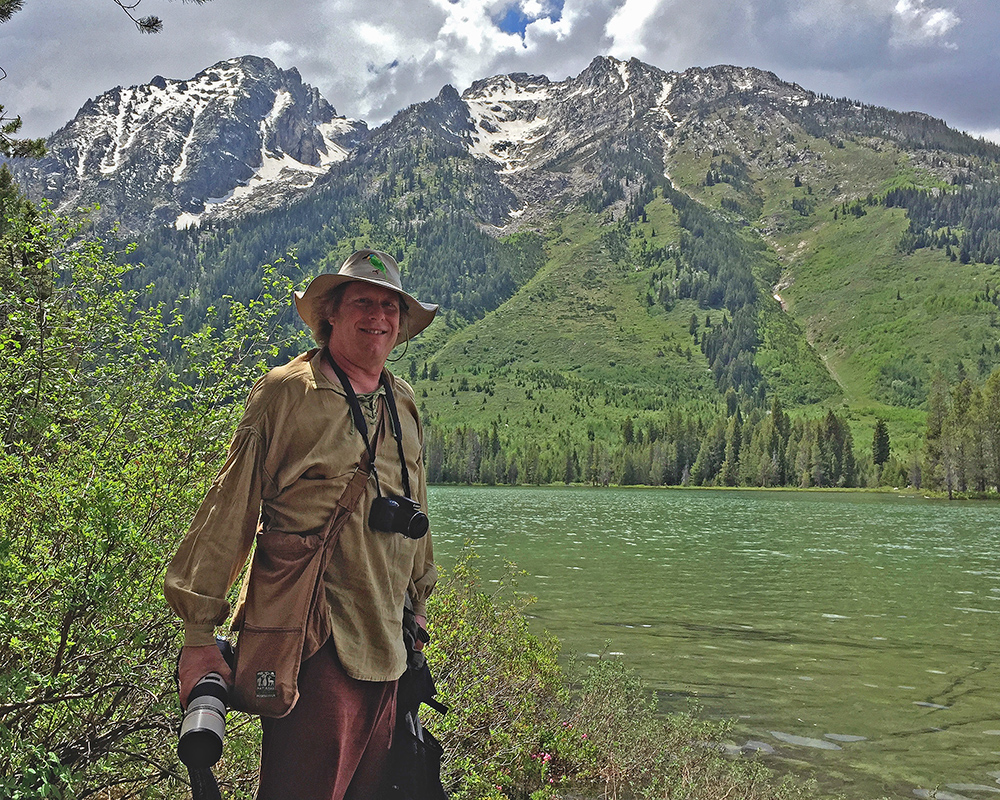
{"points": [[368, 266]]}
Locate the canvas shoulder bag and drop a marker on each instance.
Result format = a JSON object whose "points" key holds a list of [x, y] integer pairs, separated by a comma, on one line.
{"points": [[281, 617]]}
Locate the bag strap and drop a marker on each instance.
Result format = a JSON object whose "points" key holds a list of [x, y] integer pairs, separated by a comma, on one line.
{"points": [[347, 503], [359, 417]]}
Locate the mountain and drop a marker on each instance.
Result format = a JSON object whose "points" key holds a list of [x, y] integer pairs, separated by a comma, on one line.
{"points": [[620, 253], [239, 135], [243, 136]]}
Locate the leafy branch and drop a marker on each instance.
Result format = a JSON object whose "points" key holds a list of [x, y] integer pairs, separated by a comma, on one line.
{"points": [[150, 24]]}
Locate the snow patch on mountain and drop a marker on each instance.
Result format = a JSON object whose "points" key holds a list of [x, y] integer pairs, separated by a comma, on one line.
{"points": [[277, 168], [623, 72], [504, 112], [663, 100]]}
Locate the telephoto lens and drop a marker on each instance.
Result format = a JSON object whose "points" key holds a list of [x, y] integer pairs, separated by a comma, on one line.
{"points": [[204, 723]]}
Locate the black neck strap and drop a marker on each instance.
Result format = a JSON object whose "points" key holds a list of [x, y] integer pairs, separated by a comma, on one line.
{"points": [[362, 425]]}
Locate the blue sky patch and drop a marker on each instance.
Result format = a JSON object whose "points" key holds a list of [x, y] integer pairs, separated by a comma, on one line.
{"points": [[516, 21]]}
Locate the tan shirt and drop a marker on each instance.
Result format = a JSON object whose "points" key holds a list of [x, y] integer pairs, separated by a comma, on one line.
{"points": [[291, 457]]}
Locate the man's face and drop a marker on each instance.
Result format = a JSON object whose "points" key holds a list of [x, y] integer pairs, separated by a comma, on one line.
{"points": [[365, 326]]}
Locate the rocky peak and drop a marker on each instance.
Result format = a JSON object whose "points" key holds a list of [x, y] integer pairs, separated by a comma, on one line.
{"points": [[174, 151]]}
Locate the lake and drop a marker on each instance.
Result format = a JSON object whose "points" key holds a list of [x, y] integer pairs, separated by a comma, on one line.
{"points": [[853, 637]]}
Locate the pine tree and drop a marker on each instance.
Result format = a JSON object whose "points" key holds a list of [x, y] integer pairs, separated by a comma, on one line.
{"points": [[880, 443], [990, 413], [11, 147], [734, 442]]}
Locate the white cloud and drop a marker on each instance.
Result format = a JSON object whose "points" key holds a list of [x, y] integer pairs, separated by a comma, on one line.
{"points": [[543, 26], [627, 27], [915, 23], [533, 9], [404, 52]]}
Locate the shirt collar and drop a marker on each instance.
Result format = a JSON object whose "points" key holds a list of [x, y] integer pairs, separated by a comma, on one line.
{"points": [[322, 381]]}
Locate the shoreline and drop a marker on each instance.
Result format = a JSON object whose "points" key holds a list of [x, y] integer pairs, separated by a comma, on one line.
{"points": [[909, 491]]}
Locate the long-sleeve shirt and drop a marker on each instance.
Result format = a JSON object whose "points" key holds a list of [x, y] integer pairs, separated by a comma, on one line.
{"points": [[292, 455]]}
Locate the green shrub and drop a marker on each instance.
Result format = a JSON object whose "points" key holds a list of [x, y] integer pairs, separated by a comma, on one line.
{"points": [[501, 683], [636, 752], [107, 447]]}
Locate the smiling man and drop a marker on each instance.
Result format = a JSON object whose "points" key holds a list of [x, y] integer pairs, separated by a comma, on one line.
{"points": [[299, 444]]}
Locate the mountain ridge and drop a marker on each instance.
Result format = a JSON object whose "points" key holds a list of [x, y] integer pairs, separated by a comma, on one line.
{"points": [[167, 151], [622, 234], [243, 136]]}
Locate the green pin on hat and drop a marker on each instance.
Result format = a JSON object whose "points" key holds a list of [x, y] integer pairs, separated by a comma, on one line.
{"points": [[376, 262]]}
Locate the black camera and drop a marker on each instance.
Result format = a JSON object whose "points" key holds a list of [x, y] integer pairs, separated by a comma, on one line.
{"points": [[396, 514], [204, 724]]}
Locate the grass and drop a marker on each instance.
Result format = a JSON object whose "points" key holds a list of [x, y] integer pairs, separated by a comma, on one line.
{"points": [[869, 309]]}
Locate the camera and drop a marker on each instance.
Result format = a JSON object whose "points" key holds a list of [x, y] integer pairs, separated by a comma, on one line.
{"points": [[204, 724], [396, 514]]}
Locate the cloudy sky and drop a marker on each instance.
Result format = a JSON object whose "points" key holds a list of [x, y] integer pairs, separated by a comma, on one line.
{"points": [[371, 58]]}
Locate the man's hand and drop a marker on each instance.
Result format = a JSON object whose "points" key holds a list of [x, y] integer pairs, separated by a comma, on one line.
{"points": [[421, 625], [196, 663]]}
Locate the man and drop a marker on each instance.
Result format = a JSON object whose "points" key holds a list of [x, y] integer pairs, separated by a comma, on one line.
{"points": [[291, 457]]}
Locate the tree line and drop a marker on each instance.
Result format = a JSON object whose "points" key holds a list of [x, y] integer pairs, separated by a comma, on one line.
{"points": [[961, 451], [966, 219], [759, 446], [749, 442]]}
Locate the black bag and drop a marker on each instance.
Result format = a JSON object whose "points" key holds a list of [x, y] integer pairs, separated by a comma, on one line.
{"points": [[414, 762], [414, 771]]}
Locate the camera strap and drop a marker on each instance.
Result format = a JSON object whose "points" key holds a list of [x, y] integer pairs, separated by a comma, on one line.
{"points": [[361, 424]]}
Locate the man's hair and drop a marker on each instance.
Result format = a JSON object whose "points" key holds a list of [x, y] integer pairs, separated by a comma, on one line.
{"points": [[328, 304]]}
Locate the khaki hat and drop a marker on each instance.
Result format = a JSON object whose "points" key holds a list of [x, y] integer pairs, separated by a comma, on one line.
{"points": [[369, 266]]}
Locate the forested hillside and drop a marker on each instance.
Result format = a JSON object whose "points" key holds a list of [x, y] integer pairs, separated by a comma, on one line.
{"points": [[668, 261]]}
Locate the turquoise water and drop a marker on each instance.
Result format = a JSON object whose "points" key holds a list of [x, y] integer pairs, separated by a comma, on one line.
{"points": [[853, 637]]}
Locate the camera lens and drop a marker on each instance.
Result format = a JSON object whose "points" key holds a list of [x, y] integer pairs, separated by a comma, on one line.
{"points": [[204, 723], [417, 526]]}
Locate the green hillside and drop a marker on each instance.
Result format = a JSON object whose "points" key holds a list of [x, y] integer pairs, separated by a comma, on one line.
{"points": [[884, 317], [886, 320], [654, 297], [582, 326]]}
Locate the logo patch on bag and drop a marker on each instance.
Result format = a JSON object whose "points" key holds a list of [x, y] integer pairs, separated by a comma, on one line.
{"points": [[266, 682]]}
